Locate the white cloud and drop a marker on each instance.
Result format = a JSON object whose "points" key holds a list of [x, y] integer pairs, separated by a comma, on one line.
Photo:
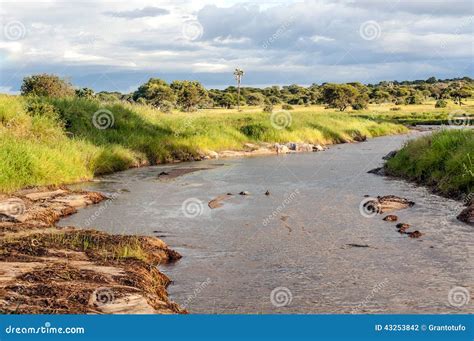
{"points": [[311, 41]]}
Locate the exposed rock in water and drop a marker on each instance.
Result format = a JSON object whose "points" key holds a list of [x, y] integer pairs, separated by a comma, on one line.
{"points": [[318, 148], [415, 234], [390, 155], [267, 192], [392, 203], [244, 193], [357, 245], [218, 201], [391, 217], [402, 227], [377, 171], [467, 215]]}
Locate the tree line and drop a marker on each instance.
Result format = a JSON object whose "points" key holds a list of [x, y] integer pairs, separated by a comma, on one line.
{"points": [[192, 95]]}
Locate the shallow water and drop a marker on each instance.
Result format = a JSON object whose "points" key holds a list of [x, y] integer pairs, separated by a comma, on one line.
{"points": [[294, 241]]}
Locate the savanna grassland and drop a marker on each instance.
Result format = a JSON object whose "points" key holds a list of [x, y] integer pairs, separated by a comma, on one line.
{"points": [[46, 141]]}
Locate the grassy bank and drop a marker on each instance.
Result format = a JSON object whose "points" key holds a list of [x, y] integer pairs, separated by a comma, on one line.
{"points": [[56, 141], [444, 161]]}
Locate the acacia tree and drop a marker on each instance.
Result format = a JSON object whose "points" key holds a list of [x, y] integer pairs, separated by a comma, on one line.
{"points": [[238, 73], [155, 92], [339, 96], [190, 94]]}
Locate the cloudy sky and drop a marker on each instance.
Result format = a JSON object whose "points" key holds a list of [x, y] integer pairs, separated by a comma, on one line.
{"points": [[117, 45]]}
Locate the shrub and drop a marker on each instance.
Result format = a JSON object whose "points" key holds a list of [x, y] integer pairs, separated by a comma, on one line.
{"points": [[287, 107], [441, 103], [166, 107], [47, 86], [255, 131], [268, 107]]}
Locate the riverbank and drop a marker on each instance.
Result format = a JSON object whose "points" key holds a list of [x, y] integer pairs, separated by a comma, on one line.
{"points": [[55, 142], [45, 269], [442, 161]]}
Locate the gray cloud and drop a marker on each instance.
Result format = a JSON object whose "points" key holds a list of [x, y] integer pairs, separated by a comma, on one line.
{"points": [[276, 42], [139, 13]]}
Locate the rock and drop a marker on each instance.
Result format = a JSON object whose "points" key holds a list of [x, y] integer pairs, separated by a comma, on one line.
{"points": [[45, 195], [163, 174], [244, 193], [392, 203], [291, 146], [358, 137], [281, 149], [317, 148], [4, 218], [212, 154], [357, 245], [467, 215], [229, 193], [377, 171], [267, 192], [402, 227], [391, 217], [415, 234], [390, 155], [304, 147], [250, 146]]}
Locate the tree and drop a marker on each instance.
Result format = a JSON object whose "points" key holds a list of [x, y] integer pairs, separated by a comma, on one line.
{"points": [[255, 98], [46, 85], [190, 94], [85, 93], [339, 96], [155, 92], [459, 94], [238, 73]]}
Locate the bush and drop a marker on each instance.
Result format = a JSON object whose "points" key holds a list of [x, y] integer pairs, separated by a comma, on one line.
{"points": [[441, 103], [255, 131], [287, 107], [166, 107], [395, 109], [47, 86], [359, 106], [268, 107]]}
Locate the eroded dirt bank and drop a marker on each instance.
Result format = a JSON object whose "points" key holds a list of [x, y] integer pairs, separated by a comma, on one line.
{"points": [[47, 269]]}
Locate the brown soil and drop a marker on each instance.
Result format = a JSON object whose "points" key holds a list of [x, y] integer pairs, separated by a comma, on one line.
{"points": [[45, 269]]}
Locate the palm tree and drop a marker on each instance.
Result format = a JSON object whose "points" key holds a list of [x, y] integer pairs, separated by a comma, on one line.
{"points": [[238, 73]]}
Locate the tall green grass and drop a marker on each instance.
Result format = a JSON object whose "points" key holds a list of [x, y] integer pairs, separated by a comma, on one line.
{"points": [[55, 141], [443, 161]]}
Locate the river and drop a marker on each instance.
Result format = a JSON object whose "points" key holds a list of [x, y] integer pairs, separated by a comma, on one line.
{"points": [[290, 252]]}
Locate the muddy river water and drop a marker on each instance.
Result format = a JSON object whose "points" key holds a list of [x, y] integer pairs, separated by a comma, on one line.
{"points": [[304, 248]]}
